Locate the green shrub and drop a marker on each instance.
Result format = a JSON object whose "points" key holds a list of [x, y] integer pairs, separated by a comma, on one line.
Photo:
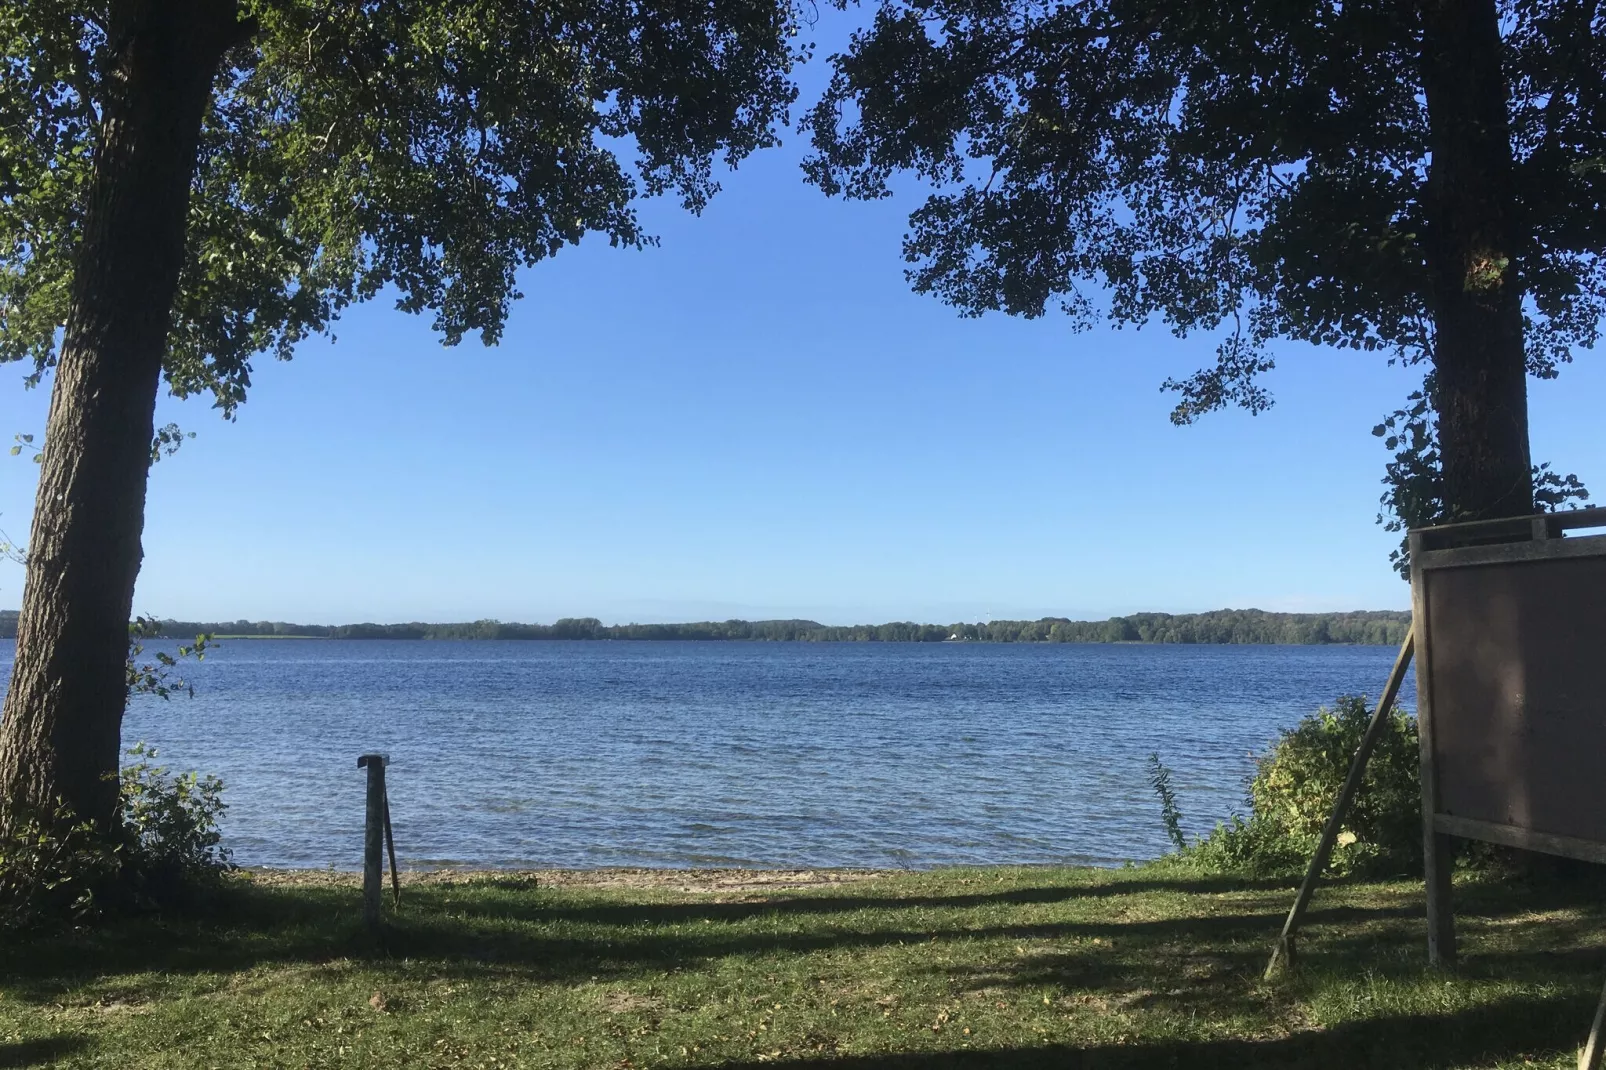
{"points": [[171, 852], [165, 852], [52, 869], [1293, 789], [1257, 846]]}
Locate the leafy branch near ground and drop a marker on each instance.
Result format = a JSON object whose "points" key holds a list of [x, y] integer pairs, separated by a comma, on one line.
{"points": [[170, 820], [1170, 814], [51, 868], [164, 850]]}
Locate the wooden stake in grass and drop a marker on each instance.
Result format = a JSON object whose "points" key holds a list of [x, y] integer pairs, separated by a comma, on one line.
{"points": [[1283, 953], [1590, 1058], [390, 846]]}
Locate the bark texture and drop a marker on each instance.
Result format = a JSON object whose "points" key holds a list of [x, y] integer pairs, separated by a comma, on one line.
{"points": [[61, 734], [1473, 237]]}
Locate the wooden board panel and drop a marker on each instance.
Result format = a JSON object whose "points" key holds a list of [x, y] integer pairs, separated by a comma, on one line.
{"points": [[1518, 681]]}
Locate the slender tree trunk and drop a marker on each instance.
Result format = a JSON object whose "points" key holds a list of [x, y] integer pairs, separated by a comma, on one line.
{"points": [[61, 734], [1473, 236]]}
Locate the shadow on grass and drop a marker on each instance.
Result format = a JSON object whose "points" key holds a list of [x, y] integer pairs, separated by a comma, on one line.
{"points": [[770, 903], [1492, 1033], [1496, 893], [247, 926], [531, 934], [1176, 960], [41, 1051]]}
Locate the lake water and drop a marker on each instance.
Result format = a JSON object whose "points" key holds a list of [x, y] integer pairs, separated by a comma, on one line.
{"points": [[538, 754]]}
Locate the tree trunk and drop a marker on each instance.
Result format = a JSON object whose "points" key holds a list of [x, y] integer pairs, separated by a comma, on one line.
{"points": [[1473, 236], [61, 735]]}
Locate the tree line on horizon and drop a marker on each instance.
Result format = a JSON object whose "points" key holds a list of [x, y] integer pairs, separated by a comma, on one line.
{"points": [[1223, 626]]}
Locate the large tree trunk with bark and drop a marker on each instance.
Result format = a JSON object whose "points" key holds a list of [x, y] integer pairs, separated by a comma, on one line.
{"points": [[61, 734], [1481, 396]]}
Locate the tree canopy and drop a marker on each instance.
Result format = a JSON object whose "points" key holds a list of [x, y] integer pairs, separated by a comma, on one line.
{"points": [[1258, 171], [186, 184], [431, 148]]}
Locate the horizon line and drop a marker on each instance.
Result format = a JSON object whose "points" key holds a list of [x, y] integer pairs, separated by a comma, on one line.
{"points": [[7, 613]]}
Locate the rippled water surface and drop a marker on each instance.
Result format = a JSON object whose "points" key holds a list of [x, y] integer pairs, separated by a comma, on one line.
{"points": [[755, 754]]}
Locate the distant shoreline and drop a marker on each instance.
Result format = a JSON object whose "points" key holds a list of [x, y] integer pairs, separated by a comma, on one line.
{"points": [[946, 642], [1218, 627]]}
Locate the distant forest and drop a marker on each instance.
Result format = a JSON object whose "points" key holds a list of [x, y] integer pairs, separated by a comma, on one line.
{"points": [[1219, 626]]}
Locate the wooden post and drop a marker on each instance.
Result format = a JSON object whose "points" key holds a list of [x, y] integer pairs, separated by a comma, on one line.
{"points": [[390, 845], [1438, 854], [1438, 850], [1590, 1057], [1283, 953], [373, 864]]}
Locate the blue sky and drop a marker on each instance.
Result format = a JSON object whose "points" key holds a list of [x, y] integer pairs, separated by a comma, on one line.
{"points": [[759, 419]]}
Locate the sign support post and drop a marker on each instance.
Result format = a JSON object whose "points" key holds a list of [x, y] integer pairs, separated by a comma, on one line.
{"points": [[1283, 953]]}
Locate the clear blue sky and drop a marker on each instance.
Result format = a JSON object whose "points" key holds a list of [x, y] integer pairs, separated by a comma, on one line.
{"points": [[759, 419]]}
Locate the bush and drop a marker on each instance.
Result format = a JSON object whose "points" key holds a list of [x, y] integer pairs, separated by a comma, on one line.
{"points": [[1293, 789], [171, 852], [164, 853], [1256, 847], [51, 869]]}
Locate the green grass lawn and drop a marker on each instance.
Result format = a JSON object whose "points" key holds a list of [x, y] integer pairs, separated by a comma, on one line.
{"points": [[957, 968]]}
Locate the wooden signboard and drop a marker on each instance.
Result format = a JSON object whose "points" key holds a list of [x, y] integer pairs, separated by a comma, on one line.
{"points": [[1510, 636]]}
